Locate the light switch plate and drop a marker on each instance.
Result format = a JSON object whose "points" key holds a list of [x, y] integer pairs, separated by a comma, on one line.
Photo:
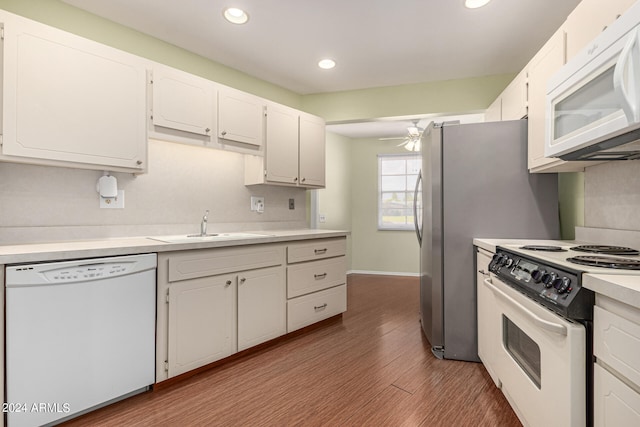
{"points": [[113, 202], [322, 218]]}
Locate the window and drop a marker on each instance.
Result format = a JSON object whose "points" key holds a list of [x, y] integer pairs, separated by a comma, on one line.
{"points": [[397, 175]]}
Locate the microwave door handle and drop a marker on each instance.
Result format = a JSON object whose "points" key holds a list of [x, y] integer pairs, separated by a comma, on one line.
{"points": [[628, 96], [544, 324]]}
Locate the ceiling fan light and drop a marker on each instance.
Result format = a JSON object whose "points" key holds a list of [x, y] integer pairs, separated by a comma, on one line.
{"points": [[235, 15], [474, 4]]}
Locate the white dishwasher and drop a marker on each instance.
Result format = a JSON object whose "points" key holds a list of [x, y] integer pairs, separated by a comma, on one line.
{"points": [[79, 334]]}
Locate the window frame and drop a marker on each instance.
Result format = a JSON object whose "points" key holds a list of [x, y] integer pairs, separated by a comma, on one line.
{"points": [[408, 191]]}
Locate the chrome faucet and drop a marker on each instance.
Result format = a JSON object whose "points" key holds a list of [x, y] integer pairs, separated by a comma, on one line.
{"points": [[203, 224]]}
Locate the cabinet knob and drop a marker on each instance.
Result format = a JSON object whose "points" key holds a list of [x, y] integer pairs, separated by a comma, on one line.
{"points": [[139, 162], [223, 133], [207, 130], [295, 179], [304, 179], [228, 283], [244, 279]]}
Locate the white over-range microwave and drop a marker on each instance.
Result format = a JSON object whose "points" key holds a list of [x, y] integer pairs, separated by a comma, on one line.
{"points": [[593, 102]]}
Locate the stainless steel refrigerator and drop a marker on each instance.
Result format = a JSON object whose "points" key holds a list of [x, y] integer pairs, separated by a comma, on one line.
{"points": [[474, 183]]}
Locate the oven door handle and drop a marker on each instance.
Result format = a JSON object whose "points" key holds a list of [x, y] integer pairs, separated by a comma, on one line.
{"points": [[544, 324]]}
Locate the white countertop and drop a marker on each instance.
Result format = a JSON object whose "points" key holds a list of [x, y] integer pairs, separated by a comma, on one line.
{"points": [[624, 288], [54, 251]]}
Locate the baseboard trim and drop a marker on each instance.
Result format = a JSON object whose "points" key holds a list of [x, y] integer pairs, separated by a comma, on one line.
{"points": [[383, 273]]}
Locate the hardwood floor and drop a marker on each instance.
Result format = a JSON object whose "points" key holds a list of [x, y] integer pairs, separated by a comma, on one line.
{"points": [[373, 367]]}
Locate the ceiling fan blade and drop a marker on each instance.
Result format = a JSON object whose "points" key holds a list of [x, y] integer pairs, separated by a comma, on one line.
{"points": [[390, 139]]}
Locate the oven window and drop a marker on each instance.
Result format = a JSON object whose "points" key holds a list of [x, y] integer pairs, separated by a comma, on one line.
{"points": [[522, 349]]}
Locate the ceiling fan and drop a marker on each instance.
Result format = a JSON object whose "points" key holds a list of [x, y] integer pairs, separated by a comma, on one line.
{"points": [[412, 139]]}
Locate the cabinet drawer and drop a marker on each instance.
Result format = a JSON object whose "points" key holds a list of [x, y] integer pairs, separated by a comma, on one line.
{"points": [[615, 404], [616, 341], [210, 262], [316, 249], [315, 276], [308, 309]]}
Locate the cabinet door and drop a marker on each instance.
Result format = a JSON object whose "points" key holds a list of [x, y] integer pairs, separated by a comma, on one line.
{"points": [[489, 328], [546, 62], [262, 312], [494, 112], [615, 404], [589, 19], [202, 322], [240, 117], [70, 99], [312, 151], [281, 148], [183, 102], [514, 98]]}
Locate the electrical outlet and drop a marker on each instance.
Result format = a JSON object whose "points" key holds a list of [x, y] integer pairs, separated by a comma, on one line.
{"points": [[257, 204], [292, 203], [322, 218], [113, 202]]}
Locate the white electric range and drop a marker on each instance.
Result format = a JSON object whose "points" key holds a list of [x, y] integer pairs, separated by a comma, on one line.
{"points": [[541, 325]]}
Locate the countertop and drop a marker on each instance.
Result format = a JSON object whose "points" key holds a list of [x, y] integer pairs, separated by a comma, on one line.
{"points": [[621, 287], [66, 250]]}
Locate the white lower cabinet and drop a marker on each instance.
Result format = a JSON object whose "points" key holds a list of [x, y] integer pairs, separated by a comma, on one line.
{"points": [[616, 345], [308, 309], [316, 281], [202, 322], [262, 312], [615, 403], [213, 303]]}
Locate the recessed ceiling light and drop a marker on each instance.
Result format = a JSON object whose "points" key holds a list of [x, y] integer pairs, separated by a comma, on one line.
{"points": [[235, 15], [327, 64], [474, 4]]}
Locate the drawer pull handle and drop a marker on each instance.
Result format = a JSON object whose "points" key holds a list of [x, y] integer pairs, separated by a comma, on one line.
{"points": [[320, 307], [320, 276], [320, 251]]}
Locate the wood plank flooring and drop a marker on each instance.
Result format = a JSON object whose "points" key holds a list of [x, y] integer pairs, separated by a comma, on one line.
{"points": [[373, 367]]}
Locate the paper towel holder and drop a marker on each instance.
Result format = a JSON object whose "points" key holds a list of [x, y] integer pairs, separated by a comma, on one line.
{"points": [[107, 186]]}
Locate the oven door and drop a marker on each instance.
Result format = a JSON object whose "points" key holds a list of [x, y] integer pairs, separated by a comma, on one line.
{"points": [[540, 361]]}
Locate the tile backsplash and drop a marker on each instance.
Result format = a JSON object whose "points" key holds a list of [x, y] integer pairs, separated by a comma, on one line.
{"points": [[612, 195], [39, 203]]}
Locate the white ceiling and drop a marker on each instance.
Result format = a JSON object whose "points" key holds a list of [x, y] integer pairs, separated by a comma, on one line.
{"points": [[374, 42]]}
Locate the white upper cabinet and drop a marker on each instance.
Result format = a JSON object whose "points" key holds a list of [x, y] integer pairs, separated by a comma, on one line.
{"points": [[589, 19], [69, 101], [294, 150], [515, 97], [240, 117], [543, 65], [281, 151], [312, 151], [183, 106], [511, 104]]}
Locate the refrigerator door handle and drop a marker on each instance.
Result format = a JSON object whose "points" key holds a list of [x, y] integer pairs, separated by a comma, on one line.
{"points": [[415, 208]]}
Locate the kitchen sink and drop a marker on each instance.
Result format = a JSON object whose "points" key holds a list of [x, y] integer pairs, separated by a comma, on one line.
{"points": [[214, 237]]}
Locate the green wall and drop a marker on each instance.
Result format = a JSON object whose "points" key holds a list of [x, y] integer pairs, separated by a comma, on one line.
{"points": [[449, 97]]}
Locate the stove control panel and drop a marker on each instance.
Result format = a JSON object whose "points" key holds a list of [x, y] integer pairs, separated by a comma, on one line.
{"points": [[550, 285]]}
